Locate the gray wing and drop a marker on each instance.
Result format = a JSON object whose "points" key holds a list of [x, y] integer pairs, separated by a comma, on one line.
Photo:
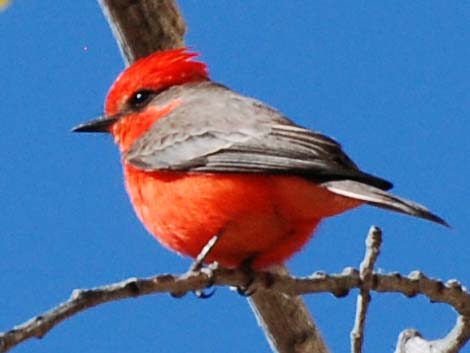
{"points": [[215, 130], [219, 131]]}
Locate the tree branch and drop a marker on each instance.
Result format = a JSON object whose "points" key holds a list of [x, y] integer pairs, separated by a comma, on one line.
{"points": [[411, 341], [373, 242], [286, 320], [144, 26], [336, 284]]}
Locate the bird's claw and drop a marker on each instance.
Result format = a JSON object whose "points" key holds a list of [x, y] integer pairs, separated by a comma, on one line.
{"points": [[247, 289], [202, 294]]}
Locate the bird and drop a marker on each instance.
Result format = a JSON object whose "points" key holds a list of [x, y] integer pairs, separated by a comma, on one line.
{"points": [[201, 160]]}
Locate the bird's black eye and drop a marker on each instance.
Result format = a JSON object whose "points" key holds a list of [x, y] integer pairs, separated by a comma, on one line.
{"points": [[140, 98]]}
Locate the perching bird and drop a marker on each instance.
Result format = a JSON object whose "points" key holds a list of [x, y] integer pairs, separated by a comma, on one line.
{"points": [[202, 160]]}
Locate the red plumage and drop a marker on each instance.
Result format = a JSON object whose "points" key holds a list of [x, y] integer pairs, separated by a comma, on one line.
{"points": [[200, 160]]}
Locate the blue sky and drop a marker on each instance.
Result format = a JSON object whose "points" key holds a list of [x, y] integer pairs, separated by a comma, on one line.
{"points": [[389, 80]]}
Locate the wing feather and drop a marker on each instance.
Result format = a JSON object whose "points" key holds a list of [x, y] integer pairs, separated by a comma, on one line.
{"points": [[216, 130], [376, 197]]}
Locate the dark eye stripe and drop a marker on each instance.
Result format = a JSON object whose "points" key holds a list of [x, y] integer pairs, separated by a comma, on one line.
{"points": [[140, 98]]}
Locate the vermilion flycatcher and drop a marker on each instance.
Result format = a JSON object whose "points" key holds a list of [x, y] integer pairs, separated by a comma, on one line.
{"points": [[201, 160]]}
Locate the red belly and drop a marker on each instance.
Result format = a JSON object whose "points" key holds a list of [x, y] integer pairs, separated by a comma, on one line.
{"points": [[259, 217]]}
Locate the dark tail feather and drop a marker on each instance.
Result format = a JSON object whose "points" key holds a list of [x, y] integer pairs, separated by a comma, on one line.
{"points": [[376, 197]]}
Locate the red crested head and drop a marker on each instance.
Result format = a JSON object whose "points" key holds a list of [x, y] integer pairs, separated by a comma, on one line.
{"points": [[155, 72]]}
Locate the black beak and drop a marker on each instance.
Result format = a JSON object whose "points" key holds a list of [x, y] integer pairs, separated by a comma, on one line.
{"points": [[101, 124]]}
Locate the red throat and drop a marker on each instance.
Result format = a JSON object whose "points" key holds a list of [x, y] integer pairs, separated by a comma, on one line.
{"points": [[130, 127]]}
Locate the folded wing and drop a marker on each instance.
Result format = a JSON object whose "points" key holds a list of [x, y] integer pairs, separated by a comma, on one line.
{"points": [[216, 130]]}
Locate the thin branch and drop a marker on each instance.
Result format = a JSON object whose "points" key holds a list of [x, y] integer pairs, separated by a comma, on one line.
{"points": [[373, 242], [456, 338], [197, 264], [411, 341], [336, 284]]}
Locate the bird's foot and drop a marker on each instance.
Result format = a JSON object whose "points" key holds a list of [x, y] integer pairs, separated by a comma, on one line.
{"points": [[209, 290], [201, 293], [197, 265], [247, 289]]}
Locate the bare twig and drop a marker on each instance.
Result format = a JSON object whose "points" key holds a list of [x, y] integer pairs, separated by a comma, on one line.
{"points": [[337, 284], [373, 242], [411, 341], [456, 338], [196, 265]]}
